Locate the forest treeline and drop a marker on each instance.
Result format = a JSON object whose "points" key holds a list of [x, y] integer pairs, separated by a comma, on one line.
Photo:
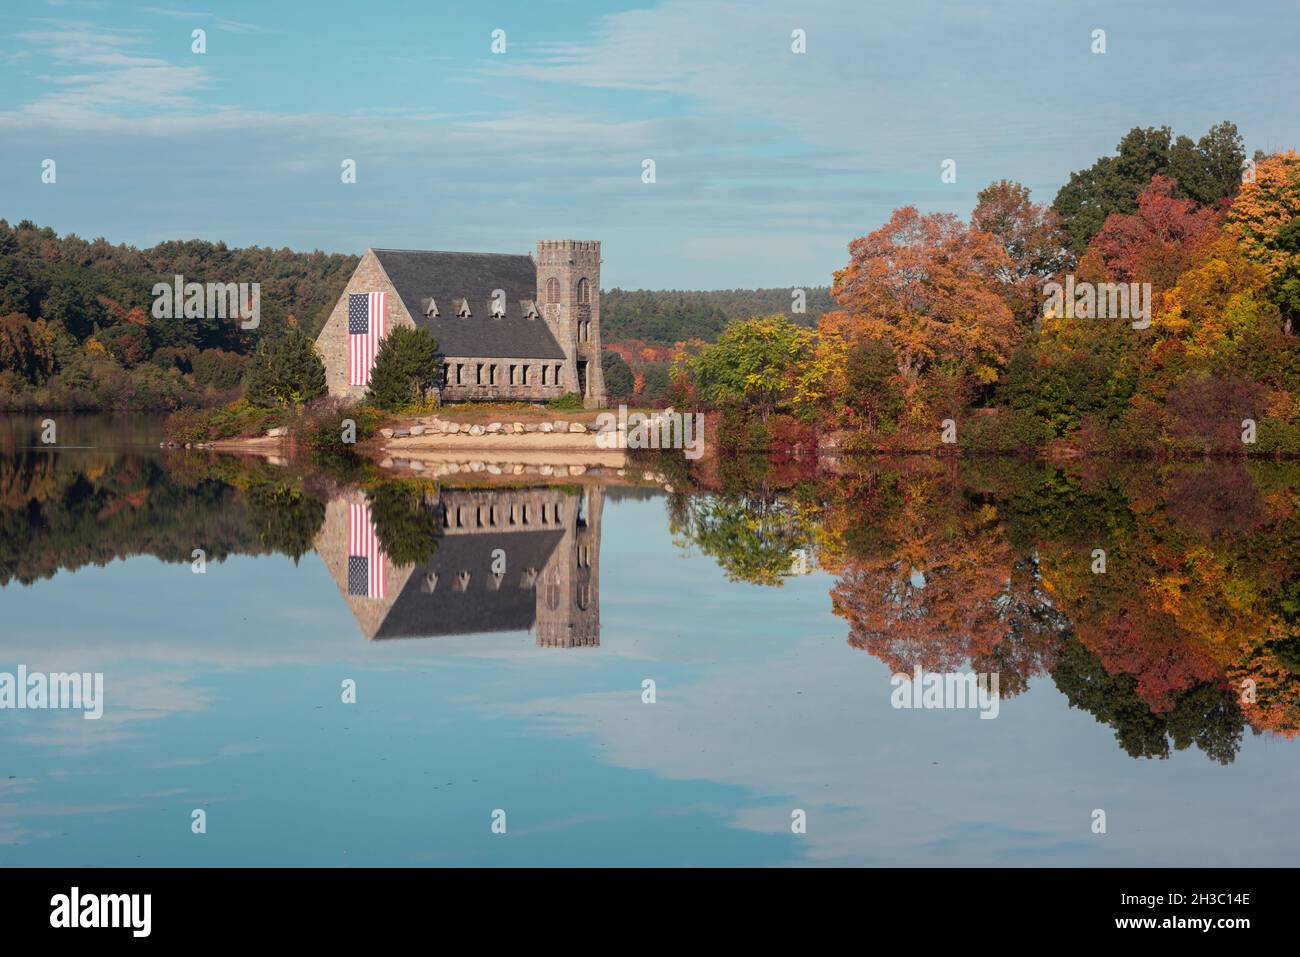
{"points": [[77, 329], [665, 317]]}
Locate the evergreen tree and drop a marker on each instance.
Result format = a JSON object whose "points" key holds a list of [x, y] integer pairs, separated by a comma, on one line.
{"points": [[285, 369], [618, 374], [406, 368]]}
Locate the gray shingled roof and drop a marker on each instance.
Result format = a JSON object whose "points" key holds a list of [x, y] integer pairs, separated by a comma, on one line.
{"points": [[420, 275], [480, 608]]}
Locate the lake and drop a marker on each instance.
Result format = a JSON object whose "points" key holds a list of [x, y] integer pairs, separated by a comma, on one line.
{"points": [[664, 668]]}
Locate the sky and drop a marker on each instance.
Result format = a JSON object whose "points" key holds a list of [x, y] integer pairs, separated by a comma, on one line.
{"points": [[767, 161]]}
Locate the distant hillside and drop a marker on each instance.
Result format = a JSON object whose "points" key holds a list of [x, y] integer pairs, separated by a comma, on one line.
{"points": [[61, 279], [668, 316]]}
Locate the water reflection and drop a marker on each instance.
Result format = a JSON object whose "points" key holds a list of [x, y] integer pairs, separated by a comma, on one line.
{"points": [[494, 561], [1163, 599]]}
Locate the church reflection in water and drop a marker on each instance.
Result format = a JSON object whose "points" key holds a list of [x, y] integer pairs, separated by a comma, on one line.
{"points": [[507, 560]]}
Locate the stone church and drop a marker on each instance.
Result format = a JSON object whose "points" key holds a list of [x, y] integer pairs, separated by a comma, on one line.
{"points": [[508, 327], [507, 560]]}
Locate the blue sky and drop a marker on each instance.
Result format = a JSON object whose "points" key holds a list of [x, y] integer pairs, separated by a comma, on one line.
{"points": [[768, 162]]}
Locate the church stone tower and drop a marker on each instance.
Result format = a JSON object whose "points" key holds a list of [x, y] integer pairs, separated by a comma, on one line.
{"points": [[568, 291], [568, 593]]}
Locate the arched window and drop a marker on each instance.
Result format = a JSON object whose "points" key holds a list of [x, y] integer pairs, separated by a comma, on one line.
{"points": [[584, 292], [552, 290]]}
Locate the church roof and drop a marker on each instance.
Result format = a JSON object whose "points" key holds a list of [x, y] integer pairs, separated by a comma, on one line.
{"points": [[446, 278], [480, 608]]}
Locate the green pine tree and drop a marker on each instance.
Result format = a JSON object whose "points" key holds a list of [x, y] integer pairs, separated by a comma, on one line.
{"points": [[405, 370], [285, 370]]}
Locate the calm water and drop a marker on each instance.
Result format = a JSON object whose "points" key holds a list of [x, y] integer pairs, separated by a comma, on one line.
{"points": [[499, 663]]}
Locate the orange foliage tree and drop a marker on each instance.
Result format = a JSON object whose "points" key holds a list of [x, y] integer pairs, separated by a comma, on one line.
{"points": [[930, 286]]}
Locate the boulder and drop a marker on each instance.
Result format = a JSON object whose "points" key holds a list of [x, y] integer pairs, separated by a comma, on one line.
{"points": [[476, 430], [401, 433], [577, 427], [453, 428], [386, 433], [494, 469], [577, 470], [493, 427], [518, 428], [277, 432], [417, 430], [530, 427], [476, 466], [560, 425], [546, 427]]}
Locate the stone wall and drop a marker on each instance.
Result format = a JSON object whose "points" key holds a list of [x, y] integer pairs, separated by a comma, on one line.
{"points": [[470, 390]]}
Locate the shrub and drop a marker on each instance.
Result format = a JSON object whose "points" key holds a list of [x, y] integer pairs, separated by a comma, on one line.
{"points": [[1002, 430], [740, 432], [568, 402], [187, 425], [174, 357], [218, 369], [237, 420], [322, 424]]}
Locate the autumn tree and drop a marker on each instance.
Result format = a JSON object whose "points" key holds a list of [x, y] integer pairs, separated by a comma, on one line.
{"points": [[1030, 233], [754, 364], [1157, 242], [930, 287], [27, 349], [1262, 220]]}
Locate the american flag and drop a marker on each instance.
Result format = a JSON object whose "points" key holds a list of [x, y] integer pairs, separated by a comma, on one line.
{"points": [[365, 332], [366, 577]]}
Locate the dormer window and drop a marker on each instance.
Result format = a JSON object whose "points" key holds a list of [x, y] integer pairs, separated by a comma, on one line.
{"points": [[463, 311], [430, 309], [498, 308], [529, 308]]}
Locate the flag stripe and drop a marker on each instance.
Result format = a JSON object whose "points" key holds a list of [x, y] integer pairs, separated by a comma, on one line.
{"points": [[365, 556], [367, 325]]}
